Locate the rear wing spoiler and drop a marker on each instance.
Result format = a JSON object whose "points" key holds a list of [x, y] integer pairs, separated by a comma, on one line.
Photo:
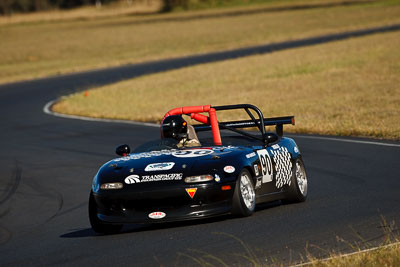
{"points": [[211, 123], [277, 121]]}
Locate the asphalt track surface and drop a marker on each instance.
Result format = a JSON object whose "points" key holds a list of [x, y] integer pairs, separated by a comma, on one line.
{"points": [[47, 164]]}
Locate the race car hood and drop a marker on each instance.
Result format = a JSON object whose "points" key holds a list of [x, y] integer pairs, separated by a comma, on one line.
{"points": [[168, 164]]}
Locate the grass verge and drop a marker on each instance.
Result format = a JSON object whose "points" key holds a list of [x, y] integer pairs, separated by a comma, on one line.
{"points": [[388, 255], [385, 253], [349, 87], [40, 48]]}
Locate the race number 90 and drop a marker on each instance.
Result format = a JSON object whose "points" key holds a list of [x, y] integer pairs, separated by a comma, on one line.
{"points": [[266, 165]]}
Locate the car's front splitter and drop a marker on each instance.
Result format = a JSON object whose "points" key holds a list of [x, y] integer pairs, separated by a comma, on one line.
{"points": [[168, 215], [165, 205]]}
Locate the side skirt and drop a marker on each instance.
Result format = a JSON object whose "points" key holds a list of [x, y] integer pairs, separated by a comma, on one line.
{"points": [[270, 197]]}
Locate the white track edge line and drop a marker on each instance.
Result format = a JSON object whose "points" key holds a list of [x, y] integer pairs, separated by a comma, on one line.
{"points": [[348, 140], [349, 254], [46, 109]]}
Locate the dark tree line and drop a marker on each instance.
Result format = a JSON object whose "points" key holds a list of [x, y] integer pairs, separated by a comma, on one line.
{"points": [[12, 6], [8, 7]]}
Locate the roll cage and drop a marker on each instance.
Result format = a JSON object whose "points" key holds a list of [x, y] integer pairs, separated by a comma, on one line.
{"points": [[211, 122]]}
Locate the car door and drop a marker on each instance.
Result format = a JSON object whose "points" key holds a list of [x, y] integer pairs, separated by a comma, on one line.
{"points": [[276, 168]]}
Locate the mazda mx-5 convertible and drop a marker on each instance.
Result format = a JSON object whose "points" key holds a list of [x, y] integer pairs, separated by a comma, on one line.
{"points": [[229, 169]]}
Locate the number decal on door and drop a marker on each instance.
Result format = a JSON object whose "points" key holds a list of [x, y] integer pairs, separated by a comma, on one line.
{"points": [[266, 165]]}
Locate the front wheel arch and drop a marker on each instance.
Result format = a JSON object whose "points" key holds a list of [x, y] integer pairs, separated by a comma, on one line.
{"points": [[98, 225]]}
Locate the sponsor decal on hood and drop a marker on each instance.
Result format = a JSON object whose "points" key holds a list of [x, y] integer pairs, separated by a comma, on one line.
{"points": [[185, 153], [162, 177], [132, 179], [192, 153], [163, 166], [251, 155], [229, 169]]}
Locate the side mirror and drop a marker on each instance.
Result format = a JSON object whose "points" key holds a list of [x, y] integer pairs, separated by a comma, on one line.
{"points": [[123, 150], [270, 138]]}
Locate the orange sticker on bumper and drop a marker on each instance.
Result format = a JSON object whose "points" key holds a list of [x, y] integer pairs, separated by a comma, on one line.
{"points": [[191, 191]]}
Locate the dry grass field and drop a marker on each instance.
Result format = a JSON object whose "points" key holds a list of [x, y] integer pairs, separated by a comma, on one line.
{"points": [[388, 255], [38, 48], [349, 87], [122, 8], [385, 256]]}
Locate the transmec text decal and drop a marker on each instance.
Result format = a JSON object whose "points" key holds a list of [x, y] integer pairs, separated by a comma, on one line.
{"points": [[134, 179], [162, 177]]}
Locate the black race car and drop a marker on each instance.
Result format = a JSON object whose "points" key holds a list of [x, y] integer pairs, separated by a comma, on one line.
{"points": [[182, 177]]}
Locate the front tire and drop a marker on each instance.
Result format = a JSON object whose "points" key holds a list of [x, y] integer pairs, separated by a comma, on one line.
{"points": [[98, 225], [298, 188], [244, 197]]}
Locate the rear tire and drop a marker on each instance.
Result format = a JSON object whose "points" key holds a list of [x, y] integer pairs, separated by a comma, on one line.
{"points": [[244, 197], [98, 225], [298, 189]]}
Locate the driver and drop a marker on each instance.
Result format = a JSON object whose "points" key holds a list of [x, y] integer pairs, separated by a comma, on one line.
{"points": [[174, 126]]}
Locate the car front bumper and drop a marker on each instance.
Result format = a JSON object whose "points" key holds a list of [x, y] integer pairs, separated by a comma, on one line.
{"points": [[175, 203]]}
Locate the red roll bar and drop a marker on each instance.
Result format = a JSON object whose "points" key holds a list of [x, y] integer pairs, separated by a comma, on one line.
{"points": [[210, 122], [193, 112]]}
